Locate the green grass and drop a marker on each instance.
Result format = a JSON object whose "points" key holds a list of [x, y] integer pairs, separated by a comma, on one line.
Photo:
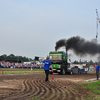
{"points": [[85, 82], [39, 98], [19, 72], [95, 90], [36, 99], [97, 98], [93, 85], [87, 98]]}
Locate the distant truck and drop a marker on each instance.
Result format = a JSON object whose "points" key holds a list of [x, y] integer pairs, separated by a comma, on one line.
{"points": [[59, 60]]}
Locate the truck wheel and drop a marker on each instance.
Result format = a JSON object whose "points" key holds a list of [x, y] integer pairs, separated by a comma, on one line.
{"points": [[68, 73], [63, 72]]}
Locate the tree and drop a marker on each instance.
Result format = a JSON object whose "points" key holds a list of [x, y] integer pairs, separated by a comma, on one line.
{"points": [[91, 62], [13, 58], [76, 62]]}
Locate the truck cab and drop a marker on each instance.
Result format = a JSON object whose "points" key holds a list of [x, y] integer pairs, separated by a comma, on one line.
{"points": [[59, 61]]}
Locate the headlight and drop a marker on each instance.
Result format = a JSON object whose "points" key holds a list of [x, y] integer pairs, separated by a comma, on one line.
{"points": [[69, 68]]}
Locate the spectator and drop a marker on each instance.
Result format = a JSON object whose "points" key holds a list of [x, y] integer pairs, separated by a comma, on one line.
{"points": [[97, 70]]}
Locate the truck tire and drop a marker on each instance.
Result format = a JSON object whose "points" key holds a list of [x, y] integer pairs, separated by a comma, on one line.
{"points": [[70, 73], [63, 72]]}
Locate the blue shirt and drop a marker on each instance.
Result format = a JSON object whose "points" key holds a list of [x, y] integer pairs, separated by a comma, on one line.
{"points": [[97, 68], [47, 64]]}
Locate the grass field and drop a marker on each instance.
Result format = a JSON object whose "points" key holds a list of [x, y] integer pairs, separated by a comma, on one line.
{"points": [[95, 90], [19, 72]]}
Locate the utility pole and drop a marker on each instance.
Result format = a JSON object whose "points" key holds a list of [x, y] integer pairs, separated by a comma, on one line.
{"points": [[97, 21]]}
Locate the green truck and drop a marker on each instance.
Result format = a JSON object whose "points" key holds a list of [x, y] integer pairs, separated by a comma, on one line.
{"points": [[59, 60]]}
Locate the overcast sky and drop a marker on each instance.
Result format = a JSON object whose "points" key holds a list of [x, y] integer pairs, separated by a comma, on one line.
{"points": [[31, 27]]}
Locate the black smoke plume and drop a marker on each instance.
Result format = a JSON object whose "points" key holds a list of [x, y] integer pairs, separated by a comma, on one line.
{"points": [[79, 45]]}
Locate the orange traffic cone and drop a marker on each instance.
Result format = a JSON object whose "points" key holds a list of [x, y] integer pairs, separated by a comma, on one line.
{"points": [[52, 77], [2, 72]]}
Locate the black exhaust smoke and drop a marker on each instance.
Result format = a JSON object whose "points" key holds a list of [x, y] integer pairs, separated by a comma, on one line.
{"points": [[79, 45], [60, 43]]}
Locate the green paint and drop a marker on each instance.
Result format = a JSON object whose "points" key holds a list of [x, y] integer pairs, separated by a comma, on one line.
{"points": [[64, 58], [63, 71], [55, 65], [55, 54]]}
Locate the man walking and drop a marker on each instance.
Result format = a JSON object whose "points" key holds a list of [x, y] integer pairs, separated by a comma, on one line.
{"points": [[47, 65], [97, 70]]}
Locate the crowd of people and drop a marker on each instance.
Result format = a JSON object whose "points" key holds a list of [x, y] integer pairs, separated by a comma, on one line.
{"points": [[4, 64]]}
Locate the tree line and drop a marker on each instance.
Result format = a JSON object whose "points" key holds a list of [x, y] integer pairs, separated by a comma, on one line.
{"points": [[89, 62], [13, 58]]}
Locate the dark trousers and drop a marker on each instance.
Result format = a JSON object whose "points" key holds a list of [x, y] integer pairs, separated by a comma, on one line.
{"points": [[97, 74], [47, 74]]}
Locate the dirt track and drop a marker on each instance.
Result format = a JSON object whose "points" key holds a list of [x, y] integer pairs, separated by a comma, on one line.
{"points": [[28, 86]]}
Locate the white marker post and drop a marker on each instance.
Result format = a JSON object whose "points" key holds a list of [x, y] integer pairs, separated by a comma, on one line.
{"points": [[31, 68]]}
